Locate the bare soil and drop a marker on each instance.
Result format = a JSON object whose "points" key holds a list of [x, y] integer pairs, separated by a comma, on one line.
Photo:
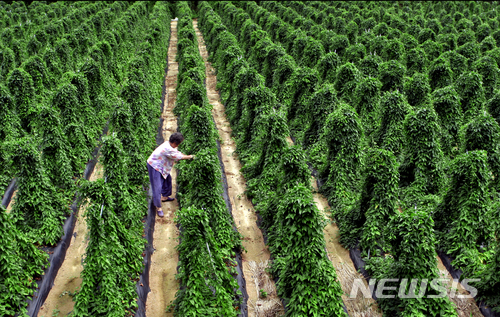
{"points": [[68, 278], [164, 259], [256, 256], [339, 256]]}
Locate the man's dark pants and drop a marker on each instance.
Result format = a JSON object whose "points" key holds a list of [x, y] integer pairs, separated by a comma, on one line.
{"points": [[159, 185]]}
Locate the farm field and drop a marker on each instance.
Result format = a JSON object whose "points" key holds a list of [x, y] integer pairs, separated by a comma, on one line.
{"points": [[347, 158]]}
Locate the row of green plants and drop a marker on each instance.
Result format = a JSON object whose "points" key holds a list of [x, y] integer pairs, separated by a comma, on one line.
{"points": [[43, 162], [48, 38], [34, 79], [209, 241], [278, 178], [117, 204], [342, 136], [67, 84], [434, 111], [465, 215], [57, 133]]}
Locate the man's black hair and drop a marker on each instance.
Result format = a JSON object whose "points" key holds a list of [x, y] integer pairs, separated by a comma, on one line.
{"points": [[176, 138]]}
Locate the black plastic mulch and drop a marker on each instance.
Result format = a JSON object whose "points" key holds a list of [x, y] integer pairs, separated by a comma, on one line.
{"points": [[149, 226], [58, 253], [456, 273], [239, 267], [359, 265], [7, 196], [143, 284]]}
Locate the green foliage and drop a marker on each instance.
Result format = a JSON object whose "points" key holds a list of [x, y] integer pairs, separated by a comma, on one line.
{"points": [[391, 75], [493, 107], [366, 102], [9, 121], [208, 274], [257, 102], [469, 50], [470, 89], [342, 133], [488, 285], [346, 81], [269, 147], [38, 208], [339, 44], [423, 164], [440, 73], [446, 102], [355, 53], [311, 54], [298, 245], [432, 49], [376, 206], [22, 90], [488, 69], [56, 151], [425, 35], [322, 103], [7, 62], [369, 65], [448, 41], [393, 110], [488, 44], [483, 133], [393, 50], [327, 67], [458, 63], [417, 90], [299, 89], [464, 216], [112, 258], [200, 130], [20, 263], [413, 257]]}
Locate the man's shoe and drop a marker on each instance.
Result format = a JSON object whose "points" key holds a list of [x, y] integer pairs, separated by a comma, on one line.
{"points": [[160, 213]]}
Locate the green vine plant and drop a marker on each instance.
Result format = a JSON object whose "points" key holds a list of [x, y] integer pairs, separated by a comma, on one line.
{"points": [[472, 98], [56, 150], [423, 158], [377, 204], [392, 111], [342, 133], [20, 264], [413, 257], [446, 102], [211, 284], [108, 285], [464, 216], [39, 209]]}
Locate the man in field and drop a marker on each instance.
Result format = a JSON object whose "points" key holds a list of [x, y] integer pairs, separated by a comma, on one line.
{"points": [[159, 167]]}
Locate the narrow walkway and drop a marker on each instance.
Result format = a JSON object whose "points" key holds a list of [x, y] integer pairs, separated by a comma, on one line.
{"points": [[257, 255], [68, 280], [11, 203], [466, 307], [165, 257], [339, 256]]}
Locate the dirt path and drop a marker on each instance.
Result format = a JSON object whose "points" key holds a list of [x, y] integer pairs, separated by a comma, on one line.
{"points": [[257, 255], [339, 256], [466, 307], [11, 203], [68, 278], [164, 258]]}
